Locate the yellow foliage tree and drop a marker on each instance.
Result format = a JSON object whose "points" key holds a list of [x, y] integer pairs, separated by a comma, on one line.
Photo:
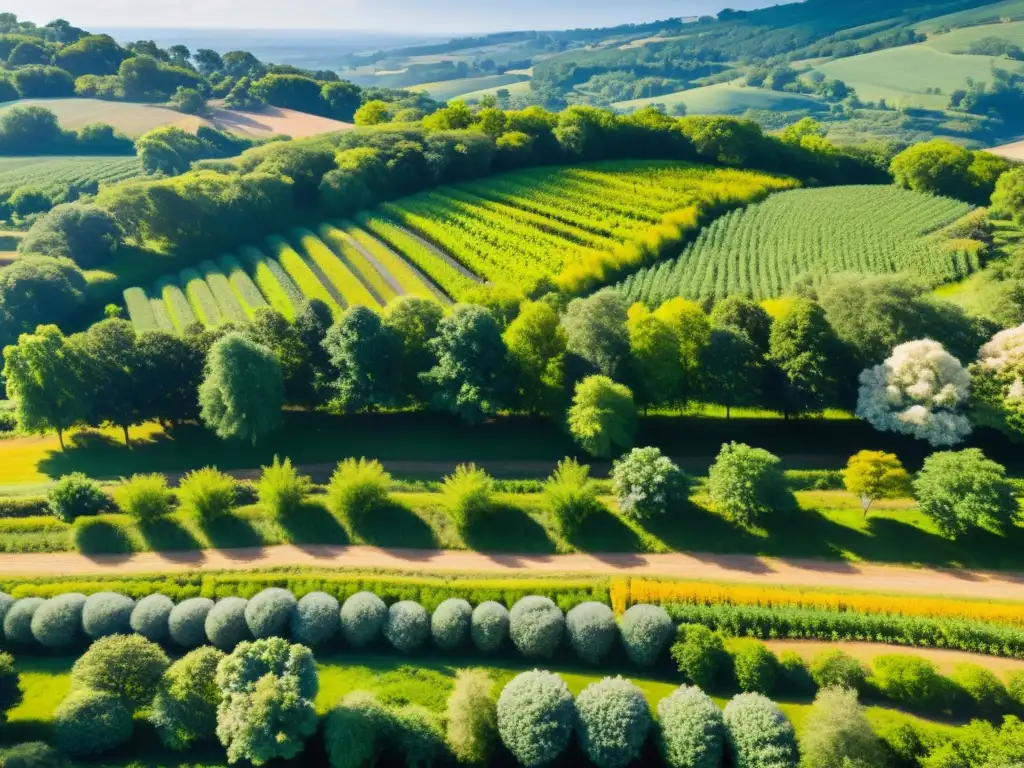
{"points": [[876, 475]]}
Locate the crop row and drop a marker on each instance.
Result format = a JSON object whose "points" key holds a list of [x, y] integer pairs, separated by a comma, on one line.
{"points": [[48, 174], [760, 251]]}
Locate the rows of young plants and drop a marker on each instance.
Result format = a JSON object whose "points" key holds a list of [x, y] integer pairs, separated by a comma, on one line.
{"points": [[35, 184], [812, 233], [341, 264]]}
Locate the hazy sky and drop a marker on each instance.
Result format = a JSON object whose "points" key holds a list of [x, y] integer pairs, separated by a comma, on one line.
{"points": [[423, 16]]}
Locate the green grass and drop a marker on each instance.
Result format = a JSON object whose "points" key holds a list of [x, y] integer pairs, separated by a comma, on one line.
{"points": [[450, 90], [521, 88], [960, 40], [984, 14], [728, 99]]}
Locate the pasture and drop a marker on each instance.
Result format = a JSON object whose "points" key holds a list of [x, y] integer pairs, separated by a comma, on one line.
{"points": [[761, 250], [960, 40], [521, 88], [727, 99], [448, 90], [986, 14]]}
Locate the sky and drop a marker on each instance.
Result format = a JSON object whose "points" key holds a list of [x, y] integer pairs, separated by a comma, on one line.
{"points": [[418, 16]]}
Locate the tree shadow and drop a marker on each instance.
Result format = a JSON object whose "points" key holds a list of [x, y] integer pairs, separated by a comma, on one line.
{"points": [[101, 537], [231, 532], [508, 529], [168, 535], [312, 524], [687, 526], [604, 531], [395, 525]]}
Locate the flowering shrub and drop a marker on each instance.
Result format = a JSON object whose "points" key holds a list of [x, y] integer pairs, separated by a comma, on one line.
{"points": [[647, 484]]}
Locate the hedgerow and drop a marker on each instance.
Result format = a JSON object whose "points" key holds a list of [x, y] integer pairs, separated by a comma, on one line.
{"points": [[489, 626], [450, 623], [591, 630], [536, 626], [317, 619]]}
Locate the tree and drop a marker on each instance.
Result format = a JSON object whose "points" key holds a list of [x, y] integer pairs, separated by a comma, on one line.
{"points": [[373, 112], [1008, 197], [837, 734], [189, 101], [738, 313], [271, 329], [87, 235], [875, 475], [960, 489], [111, 375], [745, 483], [296, 92], [732, 369], [38, 290], [414, 322], [472, 717], [208, 61], [341, 100], [169, 373], [243, 390], [469, 378], [127, 666], [657, 359], [536, 347], [936, 167], [266, 709], [595, 332], [997, 383], [364, 352], [92, 55], [805, 348], [602, 417], [693, 333], [184, 710], [44, 376], [647, 484], [919, 391]]}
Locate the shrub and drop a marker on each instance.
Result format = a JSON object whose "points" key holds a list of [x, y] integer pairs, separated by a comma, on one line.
{"points": [[317, 619], [961, 489], [207, 492], [646, 483], [472, 717], [57, 623], [794, 676], [407, 626], [747, 483], [100, 536], [358, 488], [468, 493], [1015, 687], [536, 625], [32, 754], [362, 619], [836, 669], [836, 734], [187, 623], [535, 717], [281, 489], [450, 622], [270, 612], [758, 734], [225, 624], [602, 418], [612, 722], [10, 686], [911, 681], [984, 690], [756, 668], [6, 601], [489, 626], [691, 729], [591, 630], [107, 613], [74, 496], [150, 617], [570, 496], [417, 735], [144, 497], [18, 620], [89, 722], [646, 632], [699, 654], [128, 666], [353, 729], [184, 709]]}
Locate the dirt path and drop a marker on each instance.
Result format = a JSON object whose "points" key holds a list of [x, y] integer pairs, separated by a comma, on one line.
{"points": [[730, 568]]}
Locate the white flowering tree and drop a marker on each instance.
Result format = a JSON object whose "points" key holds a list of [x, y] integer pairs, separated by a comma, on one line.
{"points": [[921, 390], [997, 383]]}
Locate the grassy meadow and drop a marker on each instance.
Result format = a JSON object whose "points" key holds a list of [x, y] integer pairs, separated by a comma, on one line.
{"points": [[727, 99]]}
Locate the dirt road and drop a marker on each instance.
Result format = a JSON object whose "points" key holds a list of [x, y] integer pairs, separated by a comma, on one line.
{"points": [[729, 568]]}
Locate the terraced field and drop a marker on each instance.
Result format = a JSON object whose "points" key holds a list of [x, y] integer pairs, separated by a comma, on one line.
{"points": [[523, 229], [761, 250]]}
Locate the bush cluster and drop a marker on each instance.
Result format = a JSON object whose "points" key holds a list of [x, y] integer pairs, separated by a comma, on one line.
{"points": [[207, 493], [76, 495], [144, 497]]}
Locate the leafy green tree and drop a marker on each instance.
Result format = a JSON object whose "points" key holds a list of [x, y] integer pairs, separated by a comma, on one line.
{"points": [[341, 100], [740, 314], [92, 55], [189, 101], [595, 331], [87, 235], [700, 655], [1008, 197], [414, 322], [44, 374], [364, 352], [837, 734], [270, 329], [732, 367], [746, 483], [657, 359], [805, 348], [936, 167], [470, 377], [169, 373], [184, 709], [291, 92], [111, 370], [208, 61], [693, 333], [961, 489], [602, 417], [128, 666], [536, 348], [37, 291], [373, 112], [875, 475], [243, 391]]}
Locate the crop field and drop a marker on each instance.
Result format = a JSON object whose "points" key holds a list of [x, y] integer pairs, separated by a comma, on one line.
{"points": [[760, 250], [52, 173], [727, 99], [341, 264]]}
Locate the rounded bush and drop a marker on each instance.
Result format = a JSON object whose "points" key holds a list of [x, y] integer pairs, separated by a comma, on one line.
{"points": [[32, 754], [128, 666], [647, 484], [150, 617], [362, 619], [489, 626], [269, 613], [187, 623], [57, 623], [184, 709], [699, 654], [646, 632], [407, 626], [18, 621], [535, 717], [144, 497], [6, 601], [911, 681], [353, 731], [317, 619], [756, 668], [75, 496], [107, 613], [536, 625], [90, 722], [984, 690], [225, 625], [758, 734], [450, 622], [612, 722], [692, 731], [591, 630], [836, 669]]}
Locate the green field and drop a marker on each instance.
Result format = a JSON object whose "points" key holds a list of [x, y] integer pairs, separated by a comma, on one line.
{"points": [[985, 14], [447, 90], [727, 99], [762, 249], [960, 40], [51, 174], [902, 75], [521, 88]]}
